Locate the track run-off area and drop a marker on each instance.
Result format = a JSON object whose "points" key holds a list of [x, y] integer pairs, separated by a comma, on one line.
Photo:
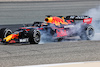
{"points": [[18, 13]]}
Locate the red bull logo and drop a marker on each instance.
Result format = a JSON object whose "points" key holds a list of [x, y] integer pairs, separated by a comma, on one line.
{"points": [[56, 20], [10, 37], [88, 20]]}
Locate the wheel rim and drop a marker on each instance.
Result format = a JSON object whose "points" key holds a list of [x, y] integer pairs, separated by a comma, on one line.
{"points": [[90, 33], [37, 38], [7, 32]]}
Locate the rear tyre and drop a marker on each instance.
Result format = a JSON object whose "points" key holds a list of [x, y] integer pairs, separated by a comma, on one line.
{"points": [[34, 36], [4, 32], [87, 33]]}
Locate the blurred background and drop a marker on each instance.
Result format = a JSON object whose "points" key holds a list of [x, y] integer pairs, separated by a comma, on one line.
{"points": [[28, 11]]}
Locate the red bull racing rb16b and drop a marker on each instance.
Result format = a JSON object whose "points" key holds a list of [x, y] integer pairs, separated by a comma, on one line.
{"points": [[54, 28]]}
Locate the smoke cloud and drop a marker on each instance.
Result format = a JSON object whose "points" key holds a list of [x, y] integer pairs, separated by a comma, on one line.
{"points": [[95, 14]]}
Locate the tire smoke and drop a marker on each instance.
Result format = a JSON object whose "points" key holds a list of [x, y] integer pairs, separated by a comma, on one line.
{"points": [[95, 14]]}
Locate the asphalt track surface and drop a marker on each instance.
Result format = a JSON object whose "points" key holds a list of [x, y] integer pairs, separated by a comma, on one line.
{"points": [[48, 53]]}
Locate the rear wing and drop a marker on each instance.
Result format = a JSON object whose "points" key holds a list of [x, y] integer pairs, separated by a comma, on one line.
{"points": [[73, 17], [85, 19]]}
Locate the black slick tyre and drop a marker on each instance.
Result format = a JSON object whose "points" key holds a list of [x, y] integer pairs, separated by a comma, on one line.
{"points": [[4, 32], [87, 33], [34, 36]]}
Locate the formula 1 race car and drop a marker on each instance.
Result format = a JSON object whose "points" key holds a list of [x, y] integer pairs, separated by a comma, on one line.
{"points": [[54, 28]]}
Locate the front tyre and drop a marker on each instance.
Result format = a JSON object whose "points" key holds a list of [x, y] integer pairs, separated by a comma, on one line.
{"points": [[4, 32], [34, 36], [87, 33]]}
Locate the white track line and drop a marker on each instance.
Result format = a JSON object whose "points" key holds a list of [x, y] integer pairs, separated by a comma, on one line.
{"points": [[60, 64]]}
